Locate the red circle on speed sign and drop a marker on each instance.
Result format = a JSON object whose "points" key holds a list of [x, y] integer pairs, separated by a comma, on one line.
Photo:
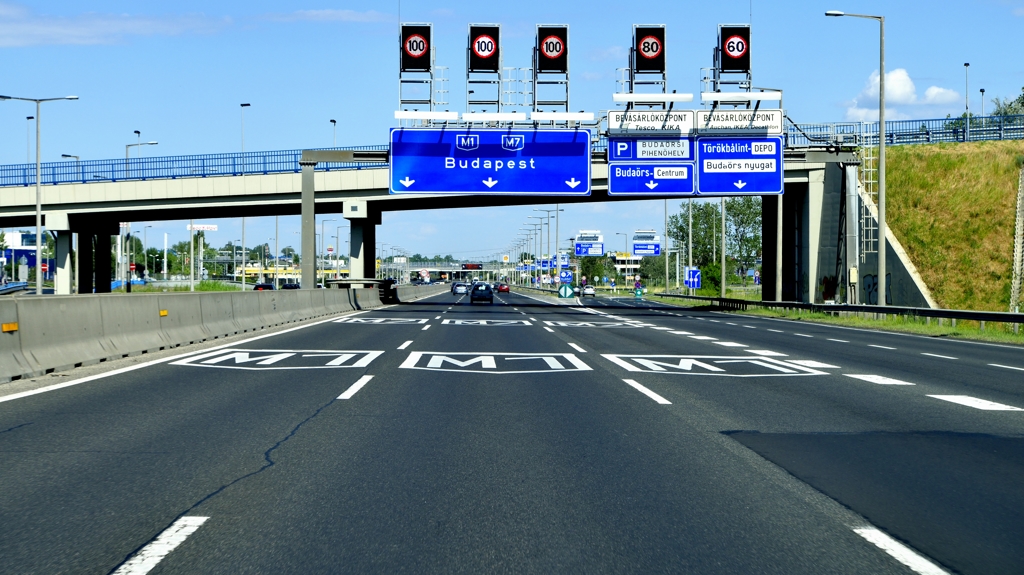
{"points": [[415, 45], [649, 47], [735, 46], [552, 47], [484, 46]]}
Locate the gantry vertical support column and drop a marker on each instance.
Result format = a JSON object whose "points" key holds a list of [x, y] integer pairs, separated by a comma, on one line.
{"points": [[86, 239], [852, 230], [58, 222], [103, 265], [308, 265], [362, 239]]}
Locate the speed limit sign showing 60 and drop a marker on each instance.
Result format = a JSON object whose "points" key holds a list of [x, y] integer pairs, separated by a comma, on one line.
{"points": [[416, 45], [735, 46]]}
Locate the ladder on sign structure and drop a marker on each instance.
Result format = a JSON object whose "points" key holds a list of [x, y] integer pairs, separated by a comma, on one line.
{"points": [[869, 184]]}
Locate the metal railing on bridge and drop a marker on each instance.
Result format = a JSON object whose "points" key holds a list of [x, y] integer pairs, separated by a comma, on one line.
{"points": [[796, 135], [900, 132], [172, 167]]}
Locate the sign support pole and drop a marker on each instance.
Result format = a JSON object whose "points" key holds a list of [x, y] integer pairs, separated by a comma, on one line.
{"points": [[724, 276], [308, 234], [689, 237], [668, 245], [778, 252]]}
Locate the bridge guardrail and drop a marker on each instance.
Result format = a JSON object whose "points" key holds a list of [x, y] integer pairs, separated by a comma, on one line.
{"points": [[898, 132]]}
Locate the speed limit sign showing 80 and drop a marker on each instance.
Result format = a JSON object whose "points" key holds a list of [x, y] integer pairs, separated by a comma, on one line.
{"points": [[649, 47], [735, 46]]}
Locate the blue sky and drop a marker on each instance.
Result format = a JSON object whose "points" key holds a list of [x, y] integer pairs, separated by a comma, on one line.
{"points": [[177, 72]]}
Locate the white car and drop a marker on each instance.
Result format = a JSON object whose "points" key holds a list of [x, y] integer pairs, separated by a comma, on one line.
{"points": [[588, 290], [461, 289]]}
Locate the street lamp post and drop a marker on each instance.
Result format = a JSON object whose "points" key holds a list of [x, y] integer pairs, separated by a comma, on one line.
{"points": [[145, 245], [28, 138], [128, 147], [982, 102], [39, 190], [245, 253], [881, 149], [334, 124], [967, 101]]}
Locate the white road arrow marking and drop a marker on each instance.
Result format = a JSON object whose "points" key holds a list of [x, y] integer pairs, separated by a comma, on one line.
{"points": [[739, 184], [407, 182], [651, 184], [489, 182], [573, 182]]}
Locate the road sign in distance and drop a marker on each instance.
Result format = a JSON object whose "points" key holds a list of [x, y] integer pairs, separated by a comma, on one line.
{"points": [[415, 47], [649, 49], [692, 277], [472, 266], [734, 48], [553, 49], [650, 149], [490, 161], [647, 179], [46, 267], [739, 122], [484, 48], [740, 166], [565, 292]]}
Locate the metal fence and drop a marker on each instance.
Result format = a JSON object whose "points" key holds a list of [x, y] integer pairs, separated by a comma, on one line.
{"points": [[171, 167], [287, 161], [899, 132]]}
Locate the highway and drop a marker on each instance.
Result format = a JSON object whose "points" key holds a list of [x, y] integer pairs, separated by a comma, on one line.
{"points": [[528, 436]]}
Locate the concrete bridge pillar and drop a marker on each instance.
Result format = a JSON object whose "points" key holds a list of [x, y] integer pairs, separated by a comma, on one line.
{"points": [[86, 240], [58, 222], [103, 266], [362, 239]]}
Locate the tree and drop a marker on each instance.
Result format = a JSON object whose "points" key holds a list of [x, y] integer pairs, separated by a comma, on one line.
{"points": [[743, 236], [592, 267], [706, 231], [1008, 107]]}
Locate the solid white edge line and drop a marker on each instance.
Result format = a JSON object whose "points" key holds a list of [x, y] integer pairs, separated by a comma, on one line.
{"points": [[976, 403], [900, 552], [355, 387], [1007, 366], [119, 371], [635, 385], [937, 355], [577, 348], [405, 345], [149, 556]]}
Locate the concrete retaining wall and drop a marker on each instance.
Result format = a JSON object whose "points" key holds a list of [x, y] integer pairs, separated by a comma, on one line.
{"points": [[60, 332]]}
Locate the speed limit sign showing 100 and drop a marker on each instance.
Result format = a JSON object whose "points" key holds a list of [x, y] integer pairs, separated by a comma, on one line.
{"points": [[416, 45], [735, 46], [552, 47], [484, 46]]}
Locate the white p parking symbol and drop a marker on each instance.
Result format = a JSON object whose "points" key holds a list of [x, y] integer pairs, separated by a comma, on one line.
{"points": [[622, 150]]}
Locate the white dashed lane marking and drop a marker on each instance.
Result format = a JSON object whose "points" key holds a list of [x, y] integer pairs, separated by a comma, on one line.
{"points": [[838, 340], [879, 379], [766, 353], [680, 332], [938, 356], [1007, 367], [729, 344], [976, 403], [405, 345], [802, 335], [577, 348], [647, 392], [703, 337], [355, 387], [549, 329], [880, 346], [776, 331], [147, 558], [813, 364], [426, 327], [899, 552]]}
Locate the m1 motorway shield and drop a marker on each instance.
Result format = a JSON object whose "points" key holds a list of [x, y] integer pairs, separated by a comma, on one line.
{"points": [[490, 161], [740, 165]]}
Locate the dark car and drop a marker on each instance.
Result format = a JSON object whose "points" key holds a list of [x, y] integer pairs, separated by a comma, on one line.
{"points": [[481, 291], [263, 287], [291, 286], [503, 288]]}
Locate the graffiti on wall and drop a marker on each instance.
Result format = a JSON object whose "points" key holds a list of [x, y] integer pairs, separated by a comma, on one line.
{"points": [[870, 283]]}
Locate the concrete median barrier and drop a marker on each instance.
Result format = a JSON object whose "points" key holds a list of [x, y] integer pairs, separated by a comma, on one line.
{"points": [[13, 364], [62, 332], [131, 324], [52, 333]]}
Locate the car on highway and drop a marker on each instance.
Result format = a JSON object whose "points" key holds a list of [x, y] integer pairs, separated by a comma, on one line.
{"points": [[503, 288], [460, 289], [455, 285], [482, 292], [588, 290], [291, 286], [263, 287]]}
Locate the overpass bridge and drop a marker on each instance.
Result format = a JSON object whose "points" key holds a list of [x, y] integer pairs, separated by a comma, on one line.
{"points": [[89, 198]]}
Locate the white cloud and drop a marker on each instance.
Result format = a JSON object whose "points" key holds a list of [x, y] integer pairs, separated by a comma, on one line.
{"points": [[330, 15], [899, 91], [21, 27]]}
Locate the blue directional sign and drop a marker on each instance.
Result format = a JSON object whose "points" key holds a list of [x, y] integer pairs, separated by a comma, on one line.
{"points": [[646, 249], [565, 276], [552, 162], [650, 150], [692, 279], [645, 179], [589, 249], [739, 166]]}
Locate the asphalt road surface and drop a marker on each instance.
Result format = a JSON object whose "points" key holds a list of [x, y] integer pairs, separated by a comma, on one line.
{"points": [[617, 436]]}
